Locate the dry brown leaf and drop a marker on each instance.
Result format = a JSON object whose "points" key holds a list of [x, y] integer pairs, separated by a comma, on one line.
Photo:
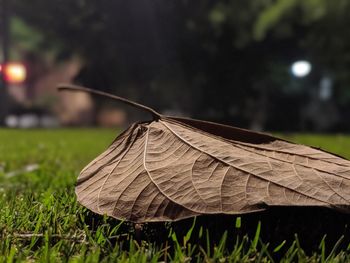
{"points": [[174, 168]]}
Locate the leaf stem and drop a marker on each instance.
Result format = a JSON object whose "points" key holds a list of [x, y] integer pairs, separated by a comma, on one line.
{"points": [[73, 87]]}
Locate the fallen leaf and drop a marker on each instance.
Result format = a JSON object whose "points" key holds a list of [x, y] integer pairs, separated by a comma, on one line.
{"points": [[173, 168]]}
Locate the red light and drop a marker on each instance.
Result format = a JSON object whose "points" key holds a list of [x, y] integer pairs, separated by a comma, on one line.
{"points": [[14, 72]]}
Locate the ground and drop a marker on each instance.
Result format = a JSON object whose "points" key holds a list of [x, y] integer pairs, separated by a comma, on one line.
{"points": [[40, 219]]}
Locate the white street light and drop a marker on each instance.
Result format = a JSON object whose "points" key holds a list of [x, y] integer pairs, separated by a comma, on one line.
{"points": [[301, 68]]}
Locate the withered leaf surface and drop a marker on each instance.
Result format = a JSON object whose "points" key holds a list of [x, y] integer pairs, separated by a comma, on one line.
{"points": [[174, 168]]}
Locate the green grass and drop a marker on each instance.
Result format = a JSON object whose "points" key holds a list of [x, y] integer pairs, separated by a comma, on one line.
{"points": [[40, 219]]}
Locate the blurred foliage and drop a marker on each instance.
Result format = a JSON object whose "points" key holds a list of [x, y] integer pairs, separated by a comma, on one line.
{"points": [[30, 40], [222, 60]]}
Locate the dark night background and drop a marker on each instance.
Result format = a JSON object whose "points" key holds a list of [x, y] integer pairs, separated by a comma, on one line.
{"points": [[226, 61]]}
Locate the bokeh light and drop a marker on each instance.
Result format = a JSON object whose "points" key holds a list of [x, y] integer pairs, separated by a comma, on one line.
{"points": [[301, 68]]}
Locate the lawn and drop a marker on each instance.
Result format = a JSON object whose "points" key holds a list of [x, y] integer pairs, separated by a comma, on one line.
{"points": [[40, 219]]}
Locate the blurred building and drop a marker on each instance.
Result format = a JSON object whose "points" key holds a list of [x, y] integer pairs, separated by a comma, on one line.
{"points": [[36, 102]]}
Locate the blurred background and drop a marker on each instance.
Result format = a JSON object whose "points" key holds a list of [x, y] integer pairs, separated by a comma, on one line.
{"points": [[277, 65]]}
